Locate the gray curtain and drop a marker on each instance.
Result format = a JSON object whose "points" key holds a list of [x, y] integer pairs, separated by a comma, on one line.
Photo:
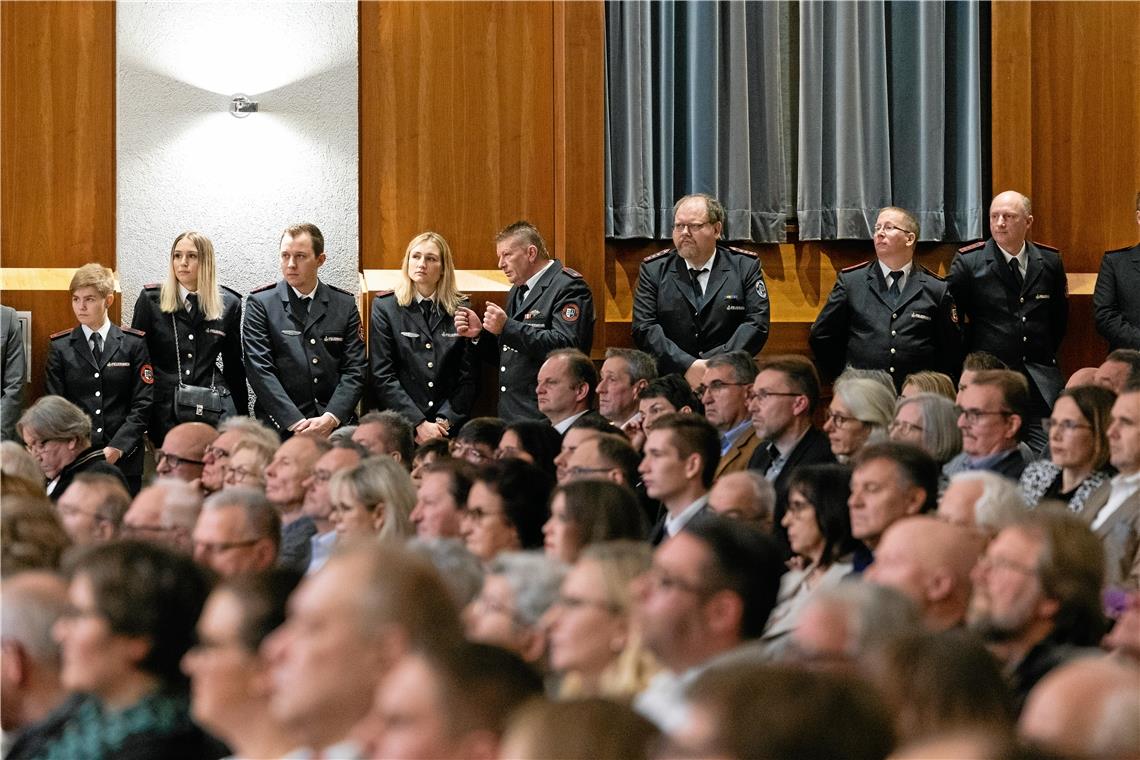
{"points": [[889, 114], [693, 103]]}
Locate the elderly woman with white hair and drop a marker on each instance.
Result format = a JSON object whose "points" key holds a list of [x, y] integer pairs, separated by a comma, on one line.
{"points": [[58, 435], [518, 589], [860, 412]]}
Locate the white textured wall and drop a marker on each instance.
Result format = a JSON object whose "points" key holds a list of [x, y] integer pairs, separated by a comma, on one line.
{"points": [[185, 163]]}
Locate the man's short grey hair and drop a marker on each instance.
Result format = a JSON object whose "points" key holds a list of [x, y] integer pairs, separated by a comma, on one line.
{"points": [[114, 502], [342, 436], [1001, 503], [875, 615], [462, 571], [56, 417], [181, 503], [941, 436], [641, 366], [33, 601], [261, 517], [763, 492], [535, 580], [251, 428], [741, 362]]}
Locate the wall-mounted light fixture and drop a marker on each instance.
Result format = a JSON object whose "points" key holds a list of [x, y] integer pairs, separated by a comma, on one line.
{"points": [[241, 106]]}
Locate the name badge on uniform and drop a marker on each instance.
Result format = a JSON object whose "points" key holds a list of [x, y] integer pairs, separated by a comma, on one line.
{"points": [[212, 331], [410, 335], [532, 314], [118, 364], [333, 339], [1042, 296], [916, 315], [290, 332], [733, 303], [450, 335]]}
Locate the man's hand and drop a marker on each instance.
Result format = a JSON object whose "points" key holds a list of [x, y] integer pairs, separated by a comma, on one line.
{"points": [[467, 323], [112, 454], [494, 318], [695, 374], [426, 431]]}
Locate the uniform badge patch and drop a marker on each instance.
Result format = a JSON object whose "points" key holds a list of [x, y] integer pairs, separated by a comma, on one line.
{"points": [[146, 372], [570, 313], [761, 290], [954, 313]]}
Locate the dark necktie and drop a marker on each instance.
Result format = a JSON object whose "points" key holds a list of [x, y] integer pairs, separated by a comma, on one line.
{"points": [[426, 307], [303, 308], [192, 304], [1015, 267], [522, 296], [97, 347], [893, 291], [698, 295]]}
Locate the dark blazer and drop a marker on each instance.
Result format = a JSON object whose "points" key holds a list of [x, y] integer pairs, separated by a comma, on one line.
{"points": [[558, 312], [91, 460], [1022, 328], [202, 341], [813, 448], [12, 371], [1120, 536], [657, 533], [116, 393], [734, 311], [859, 326], [421, 368], [1116, 299], [303, 368]]}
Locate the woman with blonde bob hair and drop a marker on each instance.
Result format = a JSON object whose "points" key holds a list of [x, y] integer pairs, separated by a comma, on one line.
{"points": [[190, 320], [421, 368], [375, 498]]}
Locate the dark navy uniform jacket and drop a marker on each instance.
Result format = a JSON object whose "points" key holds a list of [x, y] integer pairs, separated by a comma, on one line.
{"points": [[558, 312], [421, 368], [734, 312], [116, 393], [1022, 327], [303, 368], [1116, 299], [858, 326], [201, 341]]}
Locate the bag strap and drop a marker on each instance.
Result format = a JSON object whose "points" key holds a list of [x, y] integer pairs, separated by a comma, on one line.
{"points": [[178, 358]]}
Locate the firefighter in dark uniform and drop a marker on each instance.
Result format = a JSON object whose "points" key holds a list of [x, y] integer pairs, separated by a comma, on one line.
{"points": [[421, 367], [549, 306], [105, 371], [889, 313], [304, 351], [1116, 298], [699, 298], [1017, 314], [208, 319]]}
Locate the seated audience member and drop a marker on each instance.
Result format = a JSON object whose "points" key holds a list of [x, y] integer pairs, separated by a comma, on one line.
{"points": [[373, 499], [31, 536], [285, 477], [506, 508], [975, 362], [532, 441], [427, 453], [1036, 596], [681, 456], [991, 413], [930, 422], [941, 683], [745, 496], [442, 498], [460, 569], [165, 512], [930, 561], [449, 705], [341, 434], [594, 645], [581, 431], [861, 411], [387, 432], [938, 383], [17, 461], [58, 433], [757, 710], [1078, 449], [589, 728], [1085, 708], [981, 500], [1083, 376], [1113, 510], [585, 512], [1118, 370], [818, 526], [624, 375], [477, 439], [609, 456], [133, 609], [183, 451], [92, 507], [668, 394], [231, 432], [518, 589], [227, 669], [245, 467], [842, 626], [344, 455], [29, 678], [710, 588], [566, 384], [890, 481], [347, 626], [724, 391], [238, 531]]}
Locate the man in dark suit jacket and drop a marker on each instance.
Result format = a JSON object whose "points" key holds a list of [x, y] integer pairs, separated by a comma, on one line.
{"points": [[1017, 312], [304, 353], [549, 306], [889, 313], [1116, 299], [699, 299], [12, 371], [681, 455]]}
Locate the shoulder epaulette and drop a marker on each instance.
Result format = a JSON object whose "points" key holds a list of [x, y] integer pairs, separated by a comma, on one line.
{"points": [[1046, 246], [133, 331], [734, 249], [972, 247], [152, 286], [931, 272], [230, 290], [261, 288], [655, 256], [341, 290], [61, 333], [853, 267], [572, 272], [382, 293]]}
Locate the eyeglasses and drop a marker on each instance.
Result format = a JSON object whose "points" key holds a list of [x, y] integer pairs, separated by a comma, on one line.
{"points": [[763, 395], [468, 452], [216, 453], [568, 602], [140, 530], [322, 476], [1065, 426], [692, 227], [663, 581], [174, 460], [240, 473], [34, 446], [839, 420], [217, 547], [577, 472], [495, 606], [716, 386], [973, 415], [888, 227], [906, 428]]}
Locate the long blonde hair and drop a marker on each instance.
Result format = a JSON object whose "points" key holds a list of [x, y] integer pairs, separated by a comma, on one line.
{"points": [[209, 296], [447, 293]]}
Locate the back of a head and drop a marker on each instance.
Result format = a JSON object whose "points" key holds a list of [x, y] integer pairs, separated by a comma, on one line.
{"points": [[482, 685], [873, 616], [263, 597], [578, 729], [1000, 503], [31, 535], [15, 460], [461, 570], [33, 601]]}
